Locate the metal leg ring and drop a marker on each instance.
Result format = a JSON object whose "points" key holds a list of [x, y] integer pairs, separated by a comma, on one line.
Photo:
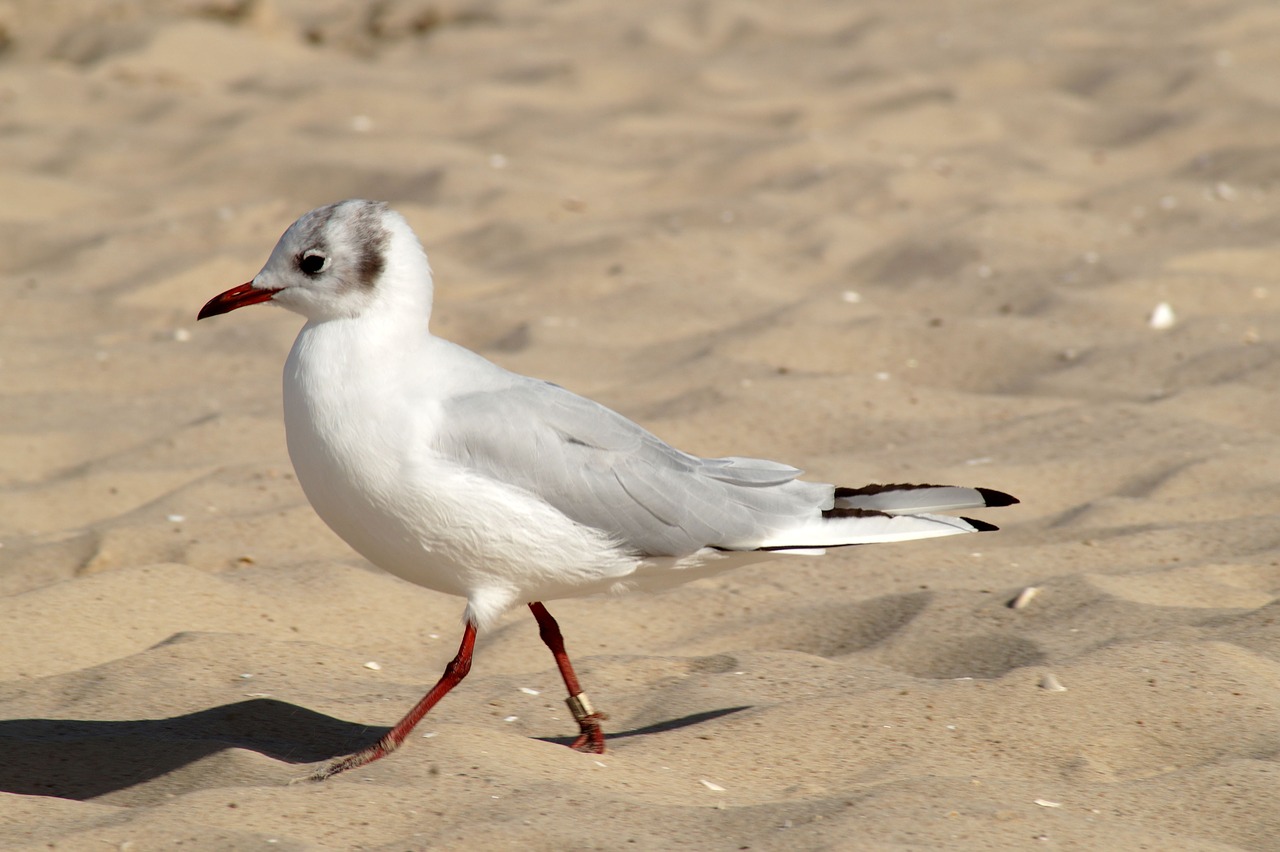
{"points": [[580, 707]]}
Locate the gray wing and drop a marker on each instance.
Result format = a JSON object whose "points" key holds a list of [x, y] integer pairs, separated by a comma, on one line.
{"points": [[604, 471]]}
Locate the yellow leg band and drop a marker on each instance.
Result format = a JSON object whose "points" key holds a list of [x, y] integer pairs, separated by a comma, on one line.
{"points": [[580, 706]]}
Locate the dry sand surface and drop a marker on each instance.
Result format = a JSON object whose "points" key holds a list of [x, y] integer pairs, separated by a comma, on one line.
{"points": [[883, 241]]}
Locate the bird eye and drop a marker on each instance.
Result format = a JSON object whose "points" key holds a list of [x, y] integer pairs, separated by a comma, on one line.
{"points": [[312, 262]]}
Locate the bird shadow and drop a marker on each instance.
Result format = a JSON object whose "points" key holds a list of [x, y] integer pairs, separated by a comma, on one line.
{"points": [[84, 759], [657, 727]]}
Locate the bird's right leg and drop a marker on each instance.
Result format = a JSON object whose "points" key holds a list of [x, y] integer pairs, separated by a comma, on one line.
{"points": [[453, 675], [591, 738]]}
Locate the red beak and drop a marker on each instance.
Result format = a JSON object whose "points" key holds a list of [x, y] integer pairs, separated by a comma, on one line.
{"points": [[236, 297]]}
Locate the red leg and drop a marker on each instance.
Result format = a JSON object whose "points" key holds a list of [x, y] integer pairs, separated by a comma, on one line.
{"points": [[592, 737], [453, 675]]}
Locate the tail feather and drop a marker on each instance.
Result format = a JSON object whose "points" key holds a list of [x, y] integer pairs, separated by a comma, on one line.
{"points": [[883, 513], [844, 527], [915, 499]]}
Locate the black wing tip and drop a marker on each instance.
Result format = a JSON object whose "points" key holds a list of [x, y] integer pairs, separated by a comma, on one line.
{"points": [[990, 496], [854, 513], [876, 488], [997, 498], [980, 526]]}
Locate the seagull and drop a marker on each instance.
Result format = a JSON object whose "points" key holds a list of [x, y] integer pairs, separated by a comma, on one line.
{"points": [[455, 474]]}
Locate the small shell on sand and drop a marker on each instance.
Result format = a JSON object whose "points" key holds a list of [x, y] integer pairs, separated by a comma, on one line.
{"points": [[1024, 597], [1162, 317], [1051, 683]]}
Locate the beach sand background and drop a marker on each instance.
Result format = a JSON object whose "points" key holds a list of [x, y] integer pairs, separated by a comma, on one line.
{"points": [[881, 241]]}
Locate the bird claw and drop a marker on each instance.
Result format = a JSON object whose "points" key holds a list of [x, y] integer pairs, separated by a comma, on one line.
{"points": [[380, 749], [591, 740]]}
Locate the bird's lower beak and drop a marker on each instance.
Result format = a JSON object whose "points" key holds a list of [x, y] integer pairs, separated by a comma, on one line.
{"points": [[236, 297]]}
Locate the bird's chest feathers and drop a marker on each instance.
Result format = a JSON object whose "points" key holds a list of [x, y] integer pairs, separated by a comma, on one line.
{"points": [[352, 433]]}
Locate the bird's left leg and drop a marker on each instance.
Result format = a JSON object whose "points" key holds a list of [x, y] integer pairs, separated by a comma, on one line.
{"points": [[457, 669], [592, 737]]}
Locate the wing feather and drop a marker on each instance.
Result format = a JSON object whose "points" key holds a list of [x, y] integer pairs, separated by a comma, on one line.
{"points": [[603, 470]]}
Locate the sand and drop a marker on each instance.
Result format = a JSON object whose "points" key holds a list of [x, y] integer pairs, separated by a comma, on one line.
{"points": [[881, 241]]}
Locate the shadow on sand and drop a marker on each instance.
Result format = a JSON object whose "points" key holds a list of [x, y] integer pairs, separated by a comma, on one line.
{"points": [[81, 759]]}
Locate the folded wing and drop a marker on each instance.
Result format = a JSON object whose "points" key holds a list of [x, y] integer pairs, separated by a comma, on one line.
{"points": [[604, 471]]}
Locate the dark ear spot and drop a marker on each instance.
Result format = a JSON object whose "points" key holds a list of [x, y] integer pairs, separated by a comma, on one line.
{"points": [[370, 264], [372, 240]]}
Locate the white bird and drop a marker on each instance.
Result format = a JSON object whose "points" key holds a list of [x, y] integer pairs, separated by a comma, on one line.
{"points": [[458, 475]]}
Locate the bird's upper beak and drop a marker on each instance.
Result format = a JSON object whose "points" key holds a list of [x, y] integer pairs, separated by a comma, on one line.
{"points": [[236, 297]]}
